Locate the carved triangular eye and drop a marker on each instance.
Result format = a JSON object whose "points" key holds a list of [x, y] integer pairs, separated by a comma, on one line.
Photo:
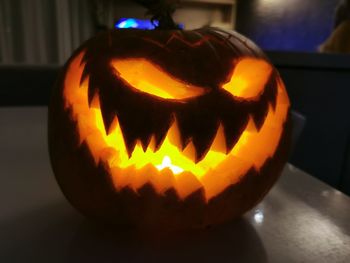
{"points": [[249, 78], [147, 77]]}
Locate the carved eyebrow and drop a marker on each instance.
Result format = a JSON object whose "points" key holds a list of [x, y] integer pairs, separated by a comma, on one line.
{"points": [[249, 78], [147, 77]]}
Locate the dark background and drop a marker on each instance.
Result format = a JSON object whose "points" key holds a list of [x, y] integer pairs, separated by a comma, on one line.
{"points": [[293, 25]]}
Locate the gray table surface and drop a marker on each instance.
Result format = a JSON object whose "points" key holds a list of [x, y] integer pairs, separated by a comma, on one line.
{"points": [[301, 219]]}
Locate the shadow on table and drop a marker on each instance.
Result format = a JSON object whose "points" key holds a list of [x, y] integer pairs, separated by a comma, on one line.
{"points": [[40, 234], [233, 242], [57, 233]]}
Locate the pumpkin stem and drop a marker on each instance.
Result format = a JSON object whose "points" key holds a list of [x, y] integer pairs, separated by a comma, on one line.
{"points": [[161, 12]]}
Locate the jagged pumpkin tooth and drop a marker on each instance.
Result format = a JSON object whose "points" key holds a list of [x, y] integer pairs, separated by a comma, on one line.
{"points": [[186, 184], [85, 75], [162, 132], [234, 130], [162, 180], [130, 138], [141, 176], [219, 142], [215, 184], [259, 114], [84, 126], [174, 135], [122, 177], [145, 141], [108, 114], [92, 89]]}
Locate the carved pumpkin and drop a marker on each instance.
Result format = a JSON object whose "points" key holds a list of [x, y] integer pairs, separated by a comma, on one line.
{"points": [[168, 128]]}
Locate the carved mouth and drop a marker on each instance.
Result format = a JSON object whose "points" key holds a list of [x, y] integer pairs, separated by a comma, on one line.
{"points": [[169, 154], [167, 163], [144, 116]]}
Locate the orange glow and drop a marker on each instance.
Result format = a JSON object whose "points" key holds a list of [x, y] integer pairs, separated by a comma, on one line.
{"points": [[249, 78], [147, 77], [166, 163], [169, 166]]}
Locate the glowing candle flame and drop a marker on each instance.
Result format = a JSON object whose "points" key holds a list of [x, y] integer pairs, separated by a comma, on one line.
{"points": [[166, 163]]}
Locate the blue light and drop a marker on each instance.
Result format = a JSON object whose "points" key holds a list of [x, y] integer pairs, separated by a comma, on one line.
{"points": [[135, 23], [127, 23], [138, 23]]}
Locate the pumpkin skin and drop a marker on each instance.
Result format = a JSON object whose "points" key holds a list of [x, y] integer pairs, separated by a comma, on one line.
{"points": [[100, 86]]}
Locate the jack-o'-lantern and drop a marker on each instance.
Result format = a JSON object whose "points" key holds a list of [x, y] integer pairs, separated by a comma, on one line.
{"points": [[168, 128]]}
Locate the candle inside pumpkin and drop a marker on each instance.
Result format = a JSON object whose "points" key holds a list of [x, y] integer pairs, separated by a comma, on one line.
{"points": [[170, 166]]}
